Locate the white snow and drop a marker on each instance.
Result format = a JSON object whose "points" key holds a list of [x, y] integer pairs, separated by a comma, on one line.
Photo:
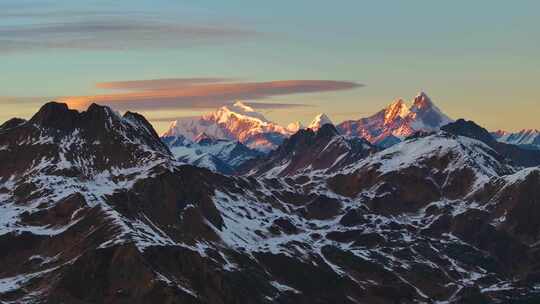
{"points": [[319, 121], [236, 122], [523, 137], [463, 152], [284, 288]]}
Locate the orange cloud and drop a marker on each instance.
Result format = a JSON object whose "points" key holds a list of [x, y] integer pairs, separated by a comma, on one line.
{"points": [[199, 93]]}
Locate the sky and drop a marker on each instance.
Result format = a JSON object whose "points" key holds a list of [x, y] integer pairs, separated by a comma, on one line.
{"points": [[167, 59]]}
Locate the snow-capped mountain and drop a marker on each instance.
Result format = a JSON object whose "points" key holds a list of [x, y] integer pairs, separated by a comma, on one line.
{"points": [[218, 155], [527, 138], [397, 121], [319, 121], [95, 209], [238, 122]]}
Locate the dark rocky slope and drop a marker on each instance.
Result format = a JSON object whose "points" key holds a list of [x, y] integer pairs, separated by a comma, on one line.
{"points": [[94, 209]]}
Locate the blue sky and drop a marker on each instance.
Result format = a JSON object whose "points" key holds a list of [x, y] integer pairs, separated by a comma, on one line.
{"points": [[476, 59]]}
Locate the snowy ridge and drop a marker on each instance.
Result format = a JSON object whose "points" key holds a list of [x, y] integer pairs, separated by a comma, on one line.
{"points": [[529, 137], [466, 152]]}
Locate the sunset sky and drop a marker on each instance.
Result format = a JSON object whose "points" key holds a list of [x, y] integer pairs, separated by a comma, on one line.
{"points": [[171, 58]]}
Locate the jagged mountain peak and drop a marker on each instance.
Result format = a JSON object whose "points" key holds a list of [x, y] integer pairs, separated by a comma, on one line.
{"points": [[59, 116], [425, 115], [83, 145], [422, 100], [319, 121], [55, 114], [396, 109], [397, 121], [98, 125]]}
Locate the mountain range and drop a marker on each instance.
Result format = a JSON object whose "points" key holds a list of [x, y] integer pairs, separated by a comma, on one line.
{"points": [[219, 155], [95, 207], [526, 138], [242, 125]]}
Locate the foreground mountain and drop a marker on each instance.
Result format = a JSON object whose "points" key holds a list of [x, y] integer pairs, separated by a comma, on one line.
{"points": [[238, 122], [95, 209], [526, 138], [397, 121], [218, 155], [310, 151], [516, 155]]}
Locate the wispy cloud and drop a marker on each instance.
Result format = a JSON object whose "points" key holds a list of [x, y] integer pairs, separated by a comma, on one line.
{"points": [[113, 35], [202, 93], [36, 25]]}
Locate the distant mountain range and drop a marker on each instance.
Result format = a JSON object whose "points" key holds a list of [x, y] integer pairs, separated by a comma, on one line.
{"points": [[526, 138], [242, 123], [219, 155], [250, 134]]}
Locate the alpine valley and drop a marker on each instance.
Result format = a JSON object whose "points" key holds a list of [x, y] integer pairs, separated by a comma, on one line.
{"points": [[404, 206]]}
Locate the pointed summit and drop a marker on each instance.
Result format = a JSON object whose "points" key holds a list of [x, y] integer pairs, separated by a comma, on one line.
{"points": [[425, 115], [397, 121], [421, 101], [319, 121]]}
